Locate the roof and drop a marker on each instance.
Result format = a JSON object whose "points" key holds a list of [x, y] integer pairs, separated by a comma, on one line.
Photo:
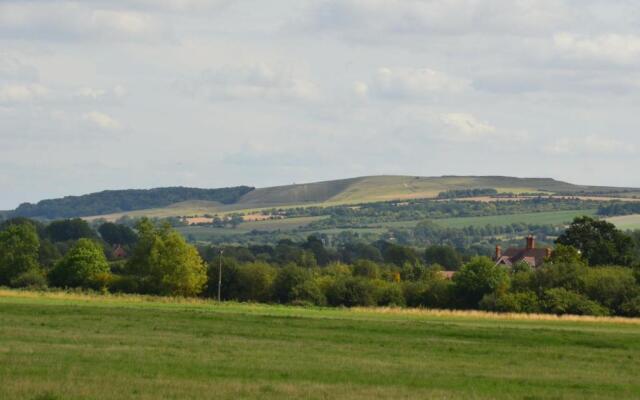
{"points": [[534, 257]]}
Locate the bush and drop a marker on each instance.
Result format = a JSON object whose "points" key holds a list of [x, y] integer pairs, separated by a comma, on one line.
{"points": [[389, 293], [631, 308], [610, 286], [85, 265], [308, 292], [562, 301], [352, 291], [519, 302], [255, 281], [124, 284], [33, 279], [288, 278], [479, 277]]}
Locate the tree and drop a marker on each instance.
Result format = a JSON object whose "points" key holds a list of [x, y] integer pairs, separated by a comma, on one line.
{"points": [[599, 242], [85, 265], [69, 229], [165, 263], [446, 256], [115, 234], [19, 246], [479, 277], [287, 279], [255, 281]]}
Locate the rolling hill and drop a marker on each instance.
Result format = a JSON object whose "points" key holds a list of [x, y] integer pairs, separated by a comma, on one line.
{"points": [[163, 202]]}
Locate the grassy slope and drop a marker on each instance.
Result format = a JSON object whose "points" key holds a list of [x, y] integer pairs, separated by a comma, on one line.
{"points": [[127, 349], [360, 190], [626, 221]]}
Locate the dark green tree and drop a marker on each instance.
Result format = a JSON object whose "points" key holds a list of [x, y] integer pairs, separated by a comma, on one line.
{"points": [[445, 256], [599, 242], [19, 246], [85, 265], [69, 229], [481, 276]]}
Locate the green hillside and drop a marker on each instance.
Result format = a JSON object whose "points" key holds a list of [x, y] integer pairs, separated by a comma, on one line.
{"points": [[164, 202]]}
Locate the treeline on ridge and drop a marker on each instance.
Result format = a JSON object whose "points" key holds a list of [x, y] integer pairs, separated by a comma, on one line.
{"points": [[113, 201]]}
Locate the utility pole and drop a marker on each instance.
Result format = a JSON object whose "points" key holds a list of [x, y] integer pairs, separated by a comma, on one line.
{"points": [[220, 275]]}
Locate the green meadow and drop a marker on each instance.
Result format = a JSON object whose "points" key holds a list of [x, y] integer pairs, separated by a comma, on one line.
{"points": [[65, 346]]}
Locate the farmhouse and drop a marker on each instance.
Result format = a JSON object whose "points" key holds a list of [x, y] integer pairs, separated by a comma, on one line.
{"points": [[530, 254]]}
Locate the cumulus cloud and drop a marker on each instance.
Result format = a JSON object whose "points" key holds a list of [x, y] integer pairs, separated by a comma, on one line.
{"points": [[22, 93], [466, 126], [258, 81], [611, 48], [101, 120], [411, 82]]}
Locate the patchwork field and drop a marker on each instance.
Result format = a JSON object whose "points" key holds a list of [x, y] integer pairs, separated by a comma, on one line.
{"points": [[59, 346], [626, 221], [542, 218]]}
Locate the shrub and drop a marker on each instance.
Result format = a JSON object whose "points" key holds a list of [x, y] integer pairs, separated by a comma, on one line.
{"points": [[255, 281], [562, 301], [352, 291], [526, 302], [388, 293], [367, 269], [631, 308], [85, 265], [610, 286], [308, 292], [288, 278], [34, 279], [479, 277]]}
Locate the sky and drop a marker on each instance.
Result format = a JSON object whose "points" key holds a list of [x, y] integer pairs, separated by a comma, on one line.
{"points": [[101, 94]]}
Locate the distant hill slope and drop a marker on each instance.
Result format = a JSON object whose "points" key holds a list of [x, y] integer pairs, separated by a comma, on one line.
{"points": [[114, 201], [317, 192], [163, 201], [390, 187]]}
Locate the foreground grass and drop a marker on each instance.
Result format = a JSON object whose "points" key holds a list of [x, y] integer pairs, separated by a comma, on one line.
{"points": [[60, 346]]}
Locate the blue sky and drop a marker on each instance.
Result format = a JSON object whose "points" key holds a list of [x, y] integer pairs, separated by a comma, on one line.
{"points": [[143, 93]]}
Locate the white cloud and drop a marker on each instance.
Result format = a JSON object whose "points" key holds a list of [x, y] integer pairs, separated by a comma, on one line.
{"points": [[22, 93], [414, 82], [77, 21], [13, 69], [101, 120], [447, 17], [591, 144], [90, 93], [258, 81], [611, 48]]}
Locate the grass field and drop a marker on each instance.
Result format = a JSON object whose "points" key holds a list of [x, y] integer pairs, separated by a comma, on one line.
{"points": [[81, 347], [626, 222], [542, 218]]}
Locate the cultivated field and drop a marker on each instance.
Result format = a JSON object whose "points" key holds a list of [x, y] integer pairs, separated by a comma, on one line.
{"points": [[59, 346], [626, 221], [542, 218]]}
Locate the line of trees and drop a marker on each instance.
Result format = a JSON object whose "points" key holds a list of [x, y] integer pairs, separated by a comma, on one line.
{"points": [[580, 278]]}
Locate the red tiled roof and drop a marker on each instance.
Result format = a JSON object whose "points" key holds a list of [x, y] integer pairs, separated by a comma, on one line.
{"points": [[534, 257]]}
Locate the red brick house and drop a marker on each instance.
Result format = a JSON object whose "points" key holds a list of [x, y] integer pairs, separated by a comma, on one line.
{"points": [[530, 254]]}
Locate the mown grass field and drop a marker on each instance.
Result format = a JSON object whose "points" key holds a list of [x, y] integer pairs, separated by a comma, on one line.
{"points": [[57, 346], [626, 222], [542, 218]]}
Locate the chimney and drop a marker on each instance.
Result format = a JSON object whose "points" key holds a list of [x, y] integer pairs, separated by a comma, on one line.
{"points": [[498, 252], [531, 242]]}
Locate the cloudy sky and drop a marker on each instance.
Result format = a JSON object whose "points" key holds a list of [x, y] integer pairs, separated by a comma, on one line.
{"points": [[141, 93]]}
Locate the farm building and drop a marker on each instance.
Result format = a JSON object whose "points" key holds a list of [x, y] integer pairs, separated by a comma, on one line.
{"points": [[530, 254]]}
